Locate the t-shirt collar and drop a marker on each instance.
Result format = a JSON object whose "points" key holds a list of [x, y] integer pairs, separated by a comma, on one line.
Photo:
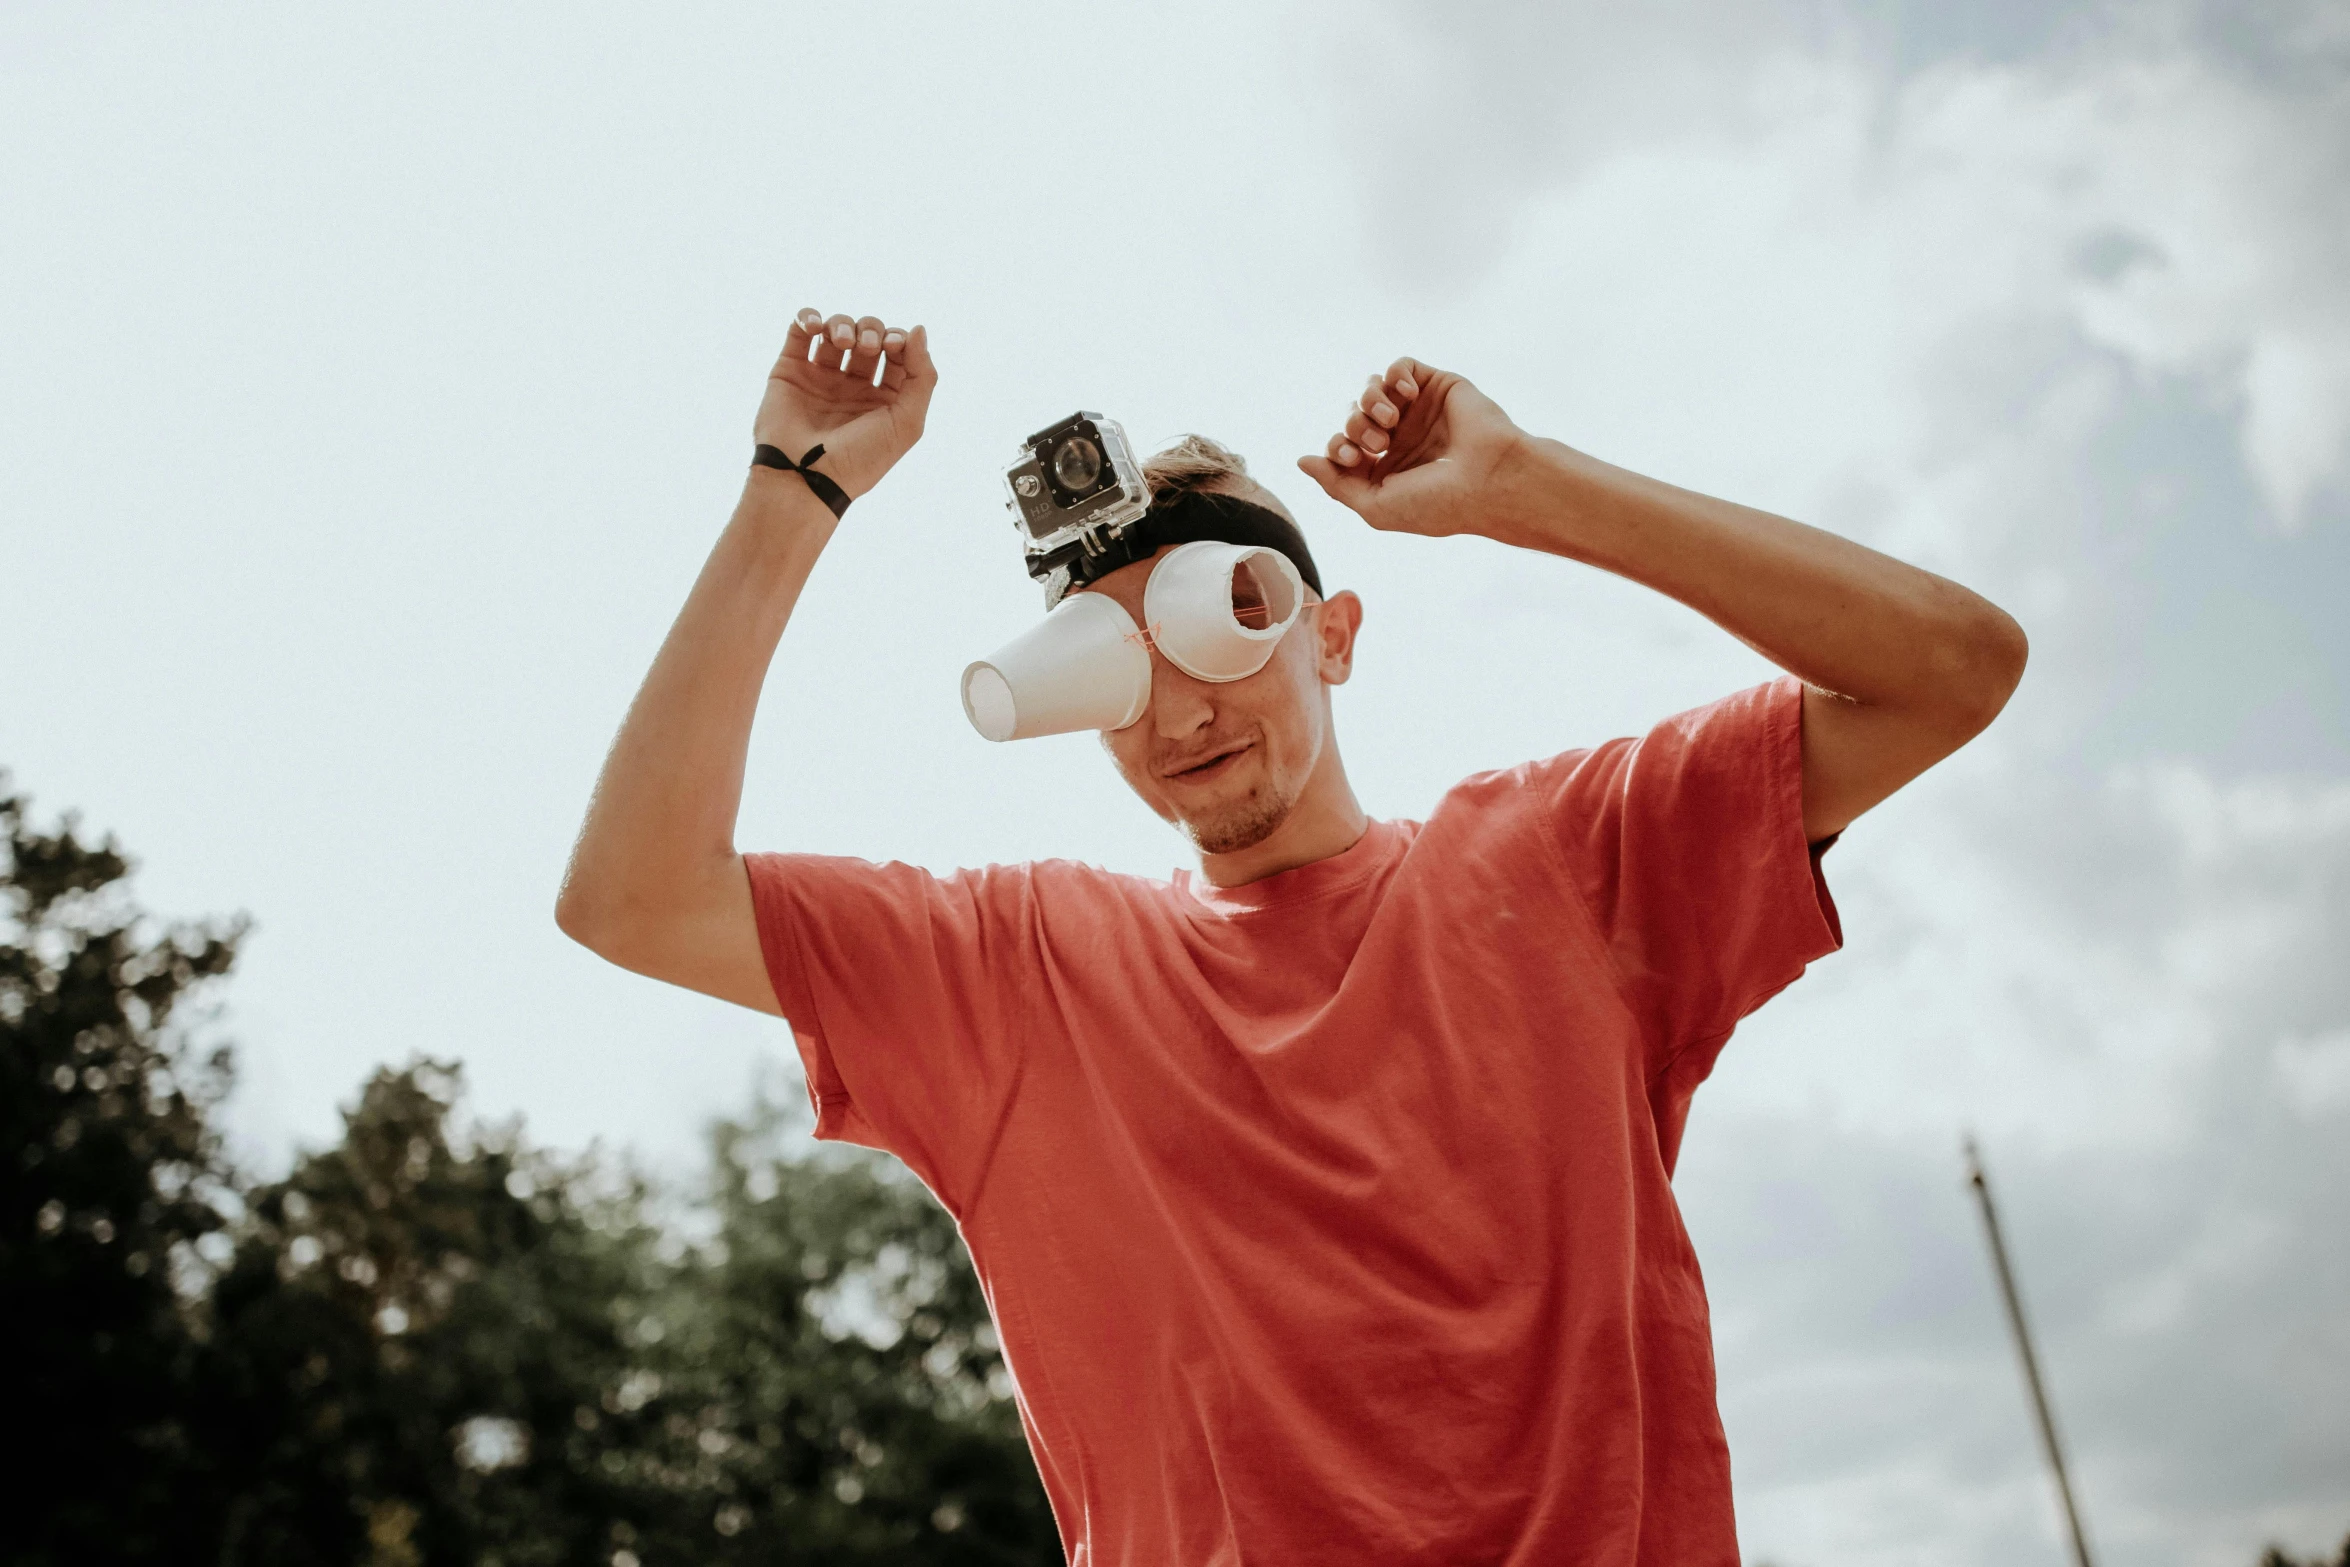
{"points": [[1351, 864]]}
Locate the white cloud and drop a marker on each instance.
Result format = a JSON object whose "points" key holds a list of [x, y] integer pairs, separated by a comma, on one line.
{"points": [[1967, 309], [2316, 1072], [2133, 188]]}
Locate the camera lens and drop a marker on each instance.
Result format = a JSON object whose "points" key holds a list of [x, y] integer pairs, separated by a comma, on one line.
{"points": [[1077, 462]]}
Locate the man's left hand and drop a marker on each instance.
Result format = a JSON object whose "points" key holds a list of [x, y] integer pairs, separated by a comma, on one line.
{"points": [[1422, 451]]}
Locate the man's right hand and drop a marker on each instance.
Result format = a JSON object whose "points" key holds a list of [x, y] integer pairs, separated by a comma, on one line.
{"points": [[824, 390], [655, 883]]}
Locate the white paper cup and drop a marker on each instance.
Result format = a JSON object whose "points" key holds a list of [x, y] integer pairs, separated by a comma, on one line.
{"points": [[1084, 666], [1190, 604]]}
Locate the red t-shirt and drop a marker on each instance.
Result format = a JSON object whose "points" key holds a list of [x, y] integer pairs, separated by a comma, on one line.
{"points": [[1328, 1219]]}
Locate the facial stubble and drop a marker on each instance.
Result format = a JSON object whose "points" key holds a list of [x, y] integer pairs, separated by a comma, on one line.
{"points": [[1243, 824]]}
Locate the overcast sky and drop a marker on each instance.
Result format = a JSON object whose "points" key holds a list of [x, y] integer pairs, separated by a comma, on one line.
{"points": [[375, 381]]}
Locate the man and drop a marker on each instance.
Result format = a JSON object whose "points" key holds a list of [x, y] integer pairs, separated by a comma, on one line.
{"points": [[1322, 1195]]}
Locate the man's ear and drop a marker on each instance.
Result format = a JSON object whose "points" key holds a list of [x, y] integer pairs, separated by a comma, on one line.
{"points": [[1335, 625]]}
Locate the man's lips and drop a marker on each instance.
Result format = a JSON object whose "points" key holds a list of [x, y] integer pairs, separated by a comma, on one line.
{"points": [[1211, 766]]}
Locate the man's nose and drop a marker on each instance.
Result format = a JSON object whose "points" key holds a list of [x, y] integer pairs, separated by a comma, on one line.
{"points": [[1180, 705]]}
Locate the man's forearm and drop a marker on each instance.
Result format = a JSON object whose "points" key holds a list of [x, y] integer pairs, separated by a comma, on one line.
{"points": [[664, 809], [1900, 667], [1837, 614], [655, 883]]}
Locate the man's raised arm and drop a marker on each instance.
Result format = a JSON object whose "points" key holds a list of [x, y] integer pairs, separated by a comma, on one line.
{"points": [[655, 882], [1900, 667]]}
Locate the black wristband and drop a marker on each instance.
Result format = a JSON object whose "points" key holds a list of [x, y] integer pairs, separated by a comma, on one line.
{"points": [[831, 494]]}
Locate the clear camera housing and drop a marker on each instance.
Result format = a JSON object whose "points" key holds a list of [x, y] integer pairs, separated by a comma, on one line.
{"points": [[1075, 487]]}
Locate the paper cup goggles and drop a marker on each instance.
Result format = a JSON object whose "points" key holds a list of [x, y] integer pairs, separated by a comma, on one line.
{"points": [[1216, 611]]}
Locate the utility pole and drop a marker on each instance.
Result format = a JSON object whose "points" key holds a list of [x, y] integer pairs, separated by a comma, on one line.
{"points": [[2023, 1344]]}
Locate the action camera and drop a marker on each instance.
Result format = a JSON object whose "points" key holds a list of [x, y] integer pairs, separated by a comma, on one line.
{"points": [[1075, 487]]}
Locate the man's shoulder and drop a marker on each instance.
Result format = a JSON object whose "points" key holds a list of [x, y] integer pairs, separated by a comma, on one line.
{"points": [[1730, 729], [1000, 873], [1060, 886], [1083, 875], [999, 896], [1527, 785]]}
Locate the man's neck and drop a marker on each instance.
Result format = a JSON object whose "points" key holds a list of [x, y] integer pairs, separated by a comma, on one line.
{"points": [[1325, 821]]}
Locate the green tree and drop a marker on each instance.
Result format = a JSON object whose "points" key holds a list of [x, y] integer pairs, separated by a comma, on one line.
{"points": [[443, 1346], [838, 1393], [112, 1189], [412, 1347], [431, 1342]]}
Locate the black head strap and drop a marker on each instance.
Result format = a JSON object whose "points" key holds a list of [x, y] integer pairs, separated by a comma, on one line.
{"points": [[831, 494], [1186, 517]]}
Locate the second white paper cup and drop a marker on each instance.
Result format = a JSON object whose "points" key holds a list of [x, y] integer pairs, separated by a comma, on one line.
{"points": [[1084, 666], [1189, 603]]}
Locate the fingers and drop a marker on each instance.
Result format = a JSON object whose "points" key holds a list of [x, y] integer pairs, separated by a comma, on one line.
{"points": [[797, 342], [1378, 413], [840, 335], [1349, 489], [907, 362], [909, 374], [893, 356], [865, 349]]}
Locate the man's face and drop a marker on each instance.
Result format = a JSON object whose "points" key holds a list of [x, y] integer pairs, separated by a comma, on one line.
{"points": [[1226, 761]]}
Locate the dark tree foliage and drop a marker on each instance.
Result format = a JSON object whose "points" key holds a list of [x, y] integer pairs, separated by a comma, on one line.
{"points": [[2276, 1557], [112, 1182], [432, 1343], [436, 1348], [403, 1344], [830, 1360]]}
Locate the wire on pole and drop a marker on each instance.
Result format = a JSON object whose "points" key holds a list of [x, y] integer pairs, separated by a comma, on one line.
{"points": [[2049, 1445]]}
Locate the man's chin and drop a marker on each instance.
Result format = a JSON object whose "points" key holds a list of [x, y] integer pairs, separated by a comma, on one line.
{"points": [[1241, 825]]}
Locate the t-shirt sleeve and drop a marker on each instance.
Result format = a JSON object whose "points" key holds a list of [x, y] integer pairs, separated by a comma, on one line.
{"points": [[1687, 846], [899, 989]]}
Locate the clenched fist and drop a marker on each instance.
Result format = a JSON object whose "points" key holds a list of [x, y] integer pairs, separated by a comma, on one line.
{"points": [[1422, 451], [857, 387]]}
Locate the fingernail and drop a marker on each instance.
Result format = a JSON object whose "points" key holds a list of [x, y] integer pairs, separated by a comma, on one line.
{"points": [[1347, 455], [893, 339], [868, 342], [1384, 411], [1408, 386], [841, 334]]}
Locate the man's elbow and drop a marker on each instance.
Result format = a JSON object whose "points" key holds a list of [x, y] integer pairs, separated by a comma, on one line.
{"points": [[589, 917], [1984, 659], [643, 921]]}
